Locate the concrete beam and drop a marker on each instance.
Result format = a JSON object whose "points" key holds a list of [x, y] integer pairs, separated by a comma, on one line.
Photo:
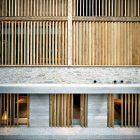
{"points": [[70, 88]]}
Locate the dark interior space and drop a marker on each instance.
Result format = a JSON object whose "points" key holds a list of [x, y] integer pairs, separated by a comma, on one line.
{"points": [[117, 111], [76, 106]]}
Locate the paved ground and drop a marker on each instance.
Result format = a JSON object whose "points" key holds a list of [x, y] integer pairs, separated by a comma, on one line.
{"points": [[75, 133]]}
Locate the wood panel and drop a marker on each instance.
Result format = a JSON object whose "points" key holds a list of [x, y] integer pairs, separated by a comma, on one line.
{"points": [[106, 43]]}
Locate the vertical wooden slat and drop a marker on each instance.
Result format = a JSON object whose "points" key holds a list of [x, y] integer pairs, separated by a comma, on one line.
{"points": [[68, 110], [138, 110], [66, 43], [2, 45], [128, 110], [40, 43], [125, 110], [132, 111], [5, 55], [112, 108], [28, 110], [7, 109], [10, 110], [71, 108], [37, 41], [54, 110], [4, 104], [9, 42], [31, 43], [52, 43], [18, 43], [56, 44], [34, 44], [73, 49], [12, 42], [86, 109], [58, 110], [63, 47], [122, 111], [62, 110], [17, 101], [47, 42], [0, 109], [135, 110], [69, 32], [51, 110], [25, 46], [14, 104], [65, 113], [43, 45], [21, 45]]}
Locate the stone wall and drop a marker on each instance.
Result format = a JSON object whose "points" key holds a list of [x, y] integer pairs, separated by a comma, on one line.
{"points": [[85, 75], [39, 110], [97, 111]]}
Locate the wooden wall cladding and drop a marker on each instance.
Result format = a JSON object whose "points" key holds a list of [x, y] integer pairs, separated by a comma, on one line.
{"points": [[33, 43], [106, 43], [61, 110], [33, 8], [106, 8], [130, 110], [10, 110]]}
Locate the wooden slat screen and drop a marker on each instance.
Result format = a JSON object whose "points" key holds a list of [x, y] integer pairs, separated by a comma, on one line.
{"points": [[114, 8], [130, 110], [61, 110], [106, 43], [33, 8], [33, 43], [10, 110]]}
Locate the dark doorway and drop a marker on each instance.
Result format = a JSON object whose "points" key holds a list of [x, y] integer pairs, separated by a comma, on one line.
{"points": [[76, 106]]}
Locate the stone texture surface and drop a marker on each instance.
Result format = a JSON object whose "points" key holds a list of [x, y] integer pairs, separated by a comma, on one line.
{"points": [[97, 111], [39, 110], [69, 74], [76, 133]]}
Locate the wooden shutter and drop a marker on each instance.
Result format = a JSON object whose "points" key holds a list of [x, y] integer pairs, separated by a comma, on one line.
{"points": [[61, 110], [83, 109]]}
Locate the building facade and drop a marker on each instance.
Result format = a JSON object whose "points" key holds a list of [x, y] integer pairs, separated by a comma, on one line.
{"points": [[69, 69]]}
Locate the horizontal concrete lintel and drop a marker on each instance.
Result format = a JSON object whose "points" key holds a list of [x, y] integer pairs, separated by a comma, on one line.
{"points": [[70, 88]]}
